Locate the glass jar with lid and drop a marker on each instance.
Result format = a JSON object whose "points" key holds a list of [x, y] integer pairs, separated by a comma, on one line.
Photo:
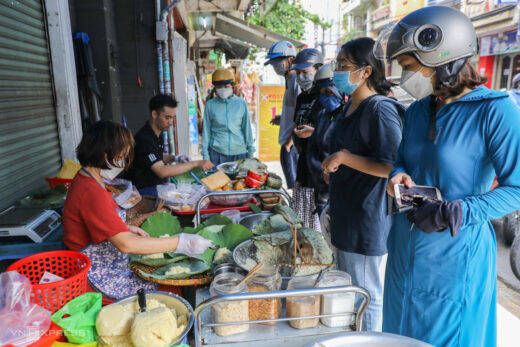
{"points": [[336, 303], [267, 279], [229, 311], [303, 306]]}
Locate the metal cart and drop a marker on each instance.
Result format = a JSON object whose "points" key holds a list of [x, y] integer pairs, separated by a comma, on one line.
{"points": [[240, 192], [280, 334]]}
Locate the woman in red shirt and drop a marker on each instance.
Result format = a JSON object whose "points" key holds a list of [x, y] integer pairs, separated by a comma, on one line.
{"points": [[92, 223]]}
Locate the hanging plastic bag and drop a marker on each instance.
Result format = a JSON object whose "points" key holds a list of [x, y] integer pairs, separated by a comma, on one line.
{"points": [[78, 318], [123, 192], [23, 322]]}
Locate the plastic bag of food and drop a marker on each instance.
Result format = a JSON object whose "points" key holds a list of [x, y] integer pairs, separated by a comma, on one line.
{"points": [[182, 197], [123, 192], [23, 322]]}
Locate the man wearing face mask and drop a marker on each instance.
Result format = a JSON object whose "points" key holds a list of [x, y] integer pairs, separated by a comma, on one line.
{"points": [[306, 64], [226, 133], [281, 56], [150, 166]]}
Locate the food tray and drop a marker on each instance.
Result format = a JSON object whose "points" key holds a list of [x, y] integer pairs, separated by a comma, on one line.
{"points": [[195, 280], [212, 208], [231, 199]]}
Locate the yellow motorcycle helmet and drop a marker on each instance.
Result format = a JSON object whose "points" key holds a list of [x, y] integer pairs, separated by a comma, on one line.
{"points": [[222, 77]]}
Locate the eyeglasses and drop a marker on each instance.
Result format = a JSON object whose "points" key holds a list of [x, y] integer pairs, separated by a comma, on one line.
{"points": [[344, 65]]}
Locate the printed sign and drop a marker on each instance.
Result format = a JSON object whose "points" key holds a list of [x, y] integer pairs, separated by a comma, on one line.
{"points": [[269, 105], [500, 44]]}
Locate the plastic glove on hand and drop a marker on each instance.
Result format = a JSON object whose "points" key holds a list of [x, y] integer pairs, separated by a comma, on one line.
{"points": [[182, 158], [192, 244], [431, 216]]}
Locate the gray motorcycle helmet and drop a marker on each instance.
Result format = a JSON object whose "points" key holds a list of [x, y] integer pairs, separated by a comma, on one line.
{"points": [[438, 36]]}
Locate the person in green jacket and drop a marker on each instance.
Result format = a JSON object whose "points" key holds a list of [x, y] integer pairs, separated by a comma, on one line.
{"points": [[226, 133]]}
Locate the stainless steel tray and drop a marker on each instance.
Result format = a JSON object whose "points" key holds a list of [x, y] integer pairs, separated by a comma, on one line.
{"points": [[280, 334]]}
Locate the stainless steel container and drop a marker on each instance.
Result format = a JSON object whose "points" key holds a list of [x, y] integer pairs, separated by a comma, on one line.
{"points": [[172, 301], [252, 220], [228, 267], [365, 339]]}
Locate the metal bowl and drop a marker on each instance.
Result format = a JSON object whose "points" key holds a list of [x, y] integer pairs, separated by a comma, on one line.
{"points": [[171, 301], [228, 268], [230, 168], [246, 247], [252, 220], [365, 339]]}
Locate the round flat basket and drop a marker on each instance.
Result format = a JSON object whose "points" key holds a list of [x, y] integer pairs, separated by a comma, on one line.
{"points": [[195, 280]]}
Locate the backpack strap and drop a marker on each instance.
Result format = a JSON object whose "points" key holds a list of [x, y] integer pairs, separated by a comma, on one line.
{"points": [[368, 115]]}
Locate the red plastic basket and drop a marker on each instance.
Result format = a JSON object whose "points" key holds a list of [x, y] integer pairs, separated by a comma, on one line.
{"points": [[55, 181], [70, 265]]}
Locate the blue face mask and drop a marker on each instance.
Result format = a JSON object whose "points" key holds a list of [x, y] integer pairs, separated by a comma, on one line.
{"points": [[342, 81], [329, 102]]}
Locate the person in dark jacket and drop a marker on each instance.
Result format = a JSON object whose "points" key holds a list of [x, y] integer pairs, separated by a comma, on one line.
{"points": [[306, 64]]}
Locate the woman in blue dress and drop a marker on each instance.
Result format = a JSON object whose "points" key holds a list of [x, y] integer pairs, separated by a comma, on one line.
{"points": [[440, 284]]}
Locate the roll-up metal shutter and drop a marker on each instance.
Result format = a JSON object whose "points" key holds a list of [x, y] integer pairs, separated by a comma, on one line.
{"points": [[29, 143]]}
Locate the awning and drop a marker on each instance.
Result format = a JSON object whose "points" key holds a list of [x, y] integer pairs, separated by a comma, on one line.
{"points": [[235, 31], [234, 49], [256, 35]]}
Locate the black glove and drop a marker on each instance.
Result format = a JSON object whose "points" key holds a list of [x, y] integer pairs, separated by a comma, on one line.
{"points": [[430, 216]]}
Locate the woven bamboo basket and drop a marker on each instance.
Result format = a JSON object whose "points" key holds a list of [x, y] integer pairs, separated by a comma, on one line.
{"points": [[148, 206], [195, 280]]}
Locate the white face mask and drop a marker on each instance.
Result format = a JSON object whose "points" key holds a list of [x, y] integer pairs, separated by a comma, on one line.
{"points": [[305, 80], [416, 84], [113, 171], [224, 93]]}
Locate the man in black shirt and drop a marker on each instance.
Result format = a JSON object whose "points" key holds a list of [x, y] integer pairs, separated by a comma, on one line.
{"points": [[150, 163]]}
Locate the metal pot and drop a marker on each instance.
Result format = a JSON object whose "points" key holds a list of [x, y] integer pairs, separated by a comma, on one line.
{"points": [[171, 301], [362, 339], [252, 220], [227, 268]]}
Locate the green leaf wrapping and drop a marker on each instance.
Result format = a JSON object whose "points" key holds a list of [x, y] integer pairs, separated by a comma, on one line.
{"points": [[230, 236], [215, 220], [195, 267], [169, 257], [162, 224]]}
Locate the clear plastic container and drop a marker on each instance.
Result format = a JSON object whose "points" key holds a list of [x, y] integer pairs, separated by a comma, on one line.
{"points": [[266, 280], [229, 311], [336, 303], [234, 215], [303, 306]]}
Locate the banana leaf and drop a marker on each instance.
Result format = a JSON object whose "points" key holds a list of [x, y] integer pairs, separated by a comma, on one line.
{"points": [[193, 266]]}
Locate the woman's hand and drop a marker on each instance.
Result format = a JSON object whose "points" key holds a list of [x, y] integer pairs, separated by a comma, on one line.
{"points": [[138, 231], [400, 178], [304, 131], [192, 244], [333, 161]]}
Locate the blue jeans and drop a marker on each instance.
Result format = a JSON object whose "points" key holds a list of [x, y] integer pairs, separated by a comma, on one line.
{"points": [[289, 161], [365, 274], [219, 158]]}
